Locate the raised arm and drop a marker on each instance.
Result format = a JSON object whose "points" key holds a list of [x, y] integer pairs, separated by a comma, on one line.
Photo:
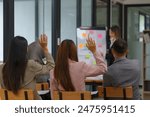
{"points": [[100, 67], [44, 69]]}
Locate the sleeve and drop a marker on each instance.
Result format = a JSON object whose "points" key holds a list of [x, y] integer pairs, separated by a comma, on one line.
{"points": [[50, 59], [107, 80], [94, 70], [43, 69]]}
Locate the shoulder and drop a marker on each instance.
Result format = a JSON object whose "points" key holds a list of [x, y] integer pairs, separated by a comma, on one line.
{"points": [[135, 64], [134, 61], [74, 63], [111, 67]]}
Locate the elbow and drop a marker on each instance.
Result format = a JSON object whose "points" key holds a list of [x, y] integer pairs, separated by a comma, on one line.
{"points": [[104, 69]]}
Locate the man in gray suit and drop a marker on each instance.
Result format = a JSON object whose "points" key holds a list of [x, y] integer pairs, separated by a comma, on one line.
{"points": [[123, 72]]}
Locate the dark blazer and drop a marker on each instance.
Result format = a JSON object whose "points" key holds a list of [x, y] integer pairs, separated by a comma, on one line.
{"points": [[124, 72], [109, 57]]}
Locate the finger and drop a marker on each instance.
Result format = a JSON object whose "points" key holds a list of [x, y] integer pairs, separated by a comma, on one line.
{"points": [[41, 38], [88, 36], [93, 42], [88, 42]]}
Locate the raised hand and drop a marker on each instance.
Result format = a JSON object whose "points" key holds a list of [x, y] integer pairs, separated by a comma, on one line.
{"points": [[91, 45], [43, 40]]}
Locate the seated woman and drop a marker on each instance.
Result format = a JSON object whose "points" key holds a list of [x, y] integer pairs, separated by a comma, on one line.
{"points": [[69, 74], [36, 53], [18, 72]]}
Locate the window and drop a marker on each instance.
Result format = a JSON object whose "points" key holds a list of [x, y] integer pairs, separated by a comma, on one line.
{"points": [[33, 18], [101, 16], [68, 19], [25, 19], [116, 14], [44, 20], [86, 12], [141, 23], [147, 22]]}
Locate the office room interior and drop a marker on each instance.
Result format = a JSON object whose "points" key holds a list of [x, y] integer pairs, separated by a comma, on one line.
{"points": [[63, 19]]}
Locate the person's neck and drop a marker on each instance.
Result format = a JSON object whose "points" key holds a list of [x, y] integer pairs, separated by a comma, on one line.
{"points": [[120, 57], [112, 41]]}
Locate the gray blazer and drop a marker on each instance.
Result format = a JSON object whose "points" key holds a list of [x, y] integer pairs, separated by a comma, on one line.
{"points": [[124, 72]]}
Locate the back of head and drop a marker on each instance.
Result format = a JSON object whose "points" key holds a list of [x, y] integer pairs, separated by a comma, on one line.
{"points": [[67, 50], [14, 68], [120, 46], [36, 52], [116, 30]]}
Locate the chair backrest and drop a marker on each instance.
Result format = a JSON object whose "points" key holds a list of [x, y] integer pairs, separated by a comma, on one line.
{"points": [[115, 92], [23, 94], [72, 95], [42, 86]]}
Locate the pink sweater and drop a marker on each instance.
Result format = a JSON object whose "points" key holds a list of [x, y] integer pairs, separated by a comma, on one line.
{"points": [[79, 71]]}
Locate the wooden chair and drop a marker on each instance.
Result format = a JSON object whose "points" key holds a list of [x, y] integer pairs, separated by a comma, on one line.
{"points": [[23, 94], [115, 92], [42, 86], [72, 95]]}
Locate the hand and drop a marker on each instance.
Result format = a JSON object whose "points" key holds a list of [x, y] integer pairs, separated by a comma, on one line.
{"points": [[91, 45], [43, 42]]}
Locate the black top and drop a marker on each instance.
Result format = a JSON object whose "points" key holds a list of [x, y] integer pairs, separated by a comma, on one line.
{"points": [[109, 57]]}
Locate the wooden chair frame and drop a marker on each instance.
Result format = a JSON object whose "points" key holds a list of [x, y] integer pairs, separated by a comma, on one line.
{"points": [[121, 93], [23, 94], [72, 95], [42, 86]]}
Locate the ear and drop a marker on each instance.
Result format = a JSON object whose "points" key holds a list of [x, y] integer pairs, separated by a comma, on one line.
{"points": [[113, 52], [125, 53]]}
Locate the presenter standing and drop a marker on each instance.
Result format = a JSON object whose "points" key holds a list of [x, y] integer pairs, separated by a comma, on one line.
{"points": [[114, 33]]}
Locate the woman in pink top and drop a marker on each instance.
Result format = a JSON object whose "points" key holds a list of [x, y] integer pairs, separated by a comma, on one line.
{"points": [[69, 74]]}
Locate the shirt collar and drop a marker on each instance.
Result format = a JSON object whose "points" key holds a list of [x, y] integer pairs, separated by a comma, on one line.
{"points": [[120, 59]]}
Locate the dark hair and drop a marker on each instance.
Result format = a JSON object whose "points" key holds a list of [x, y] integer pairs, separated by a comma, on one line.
{"points": [[115, 29], [120, 46], [14, 68], [66, 50]]}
